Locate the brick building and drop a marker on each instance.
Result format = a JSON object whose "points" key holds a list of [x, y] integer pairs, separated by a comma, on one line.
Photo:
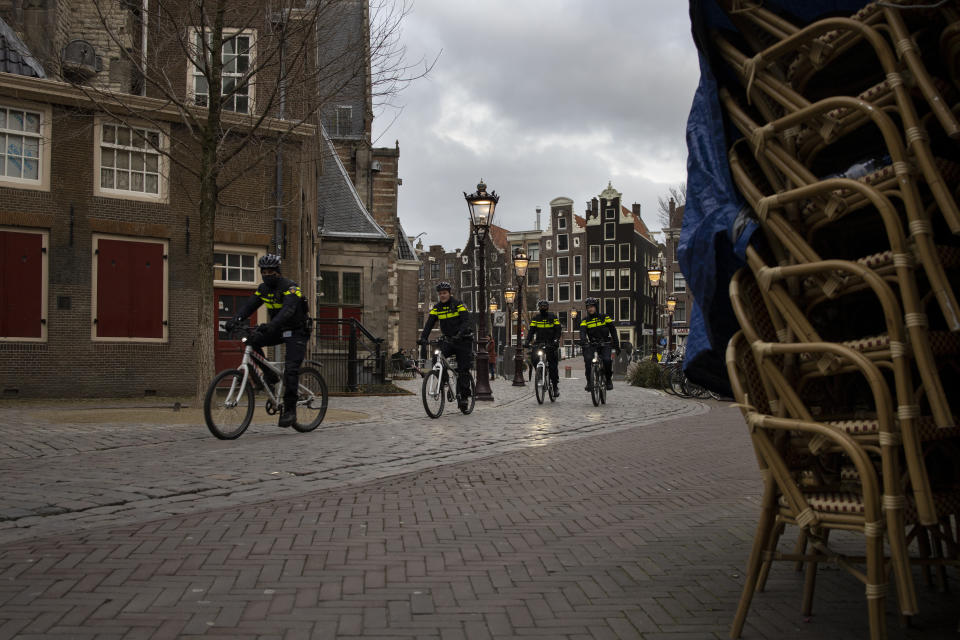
{"points": [[676, 283], [562, 266]]}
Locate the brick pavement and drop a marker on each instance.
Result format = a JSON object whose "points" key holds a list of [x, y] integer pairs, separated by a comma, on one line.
{"points": [[639, 530]]}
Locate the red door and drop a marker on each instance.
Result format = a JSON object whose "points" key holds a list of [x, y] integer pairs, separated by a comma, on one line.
{"points": [[227, 353]]}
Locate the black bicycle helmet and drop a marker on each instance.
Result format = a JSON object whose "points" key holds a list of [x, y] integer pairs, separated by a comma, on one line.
{"points": [[542, 304], [269, 261], [443, 285], [591, 302]]}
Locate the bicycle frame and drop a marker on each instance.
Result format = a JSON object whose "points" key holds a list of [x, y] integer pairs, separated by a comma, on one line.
{"points": [[441, 364], [542, 362], [246, 365]]}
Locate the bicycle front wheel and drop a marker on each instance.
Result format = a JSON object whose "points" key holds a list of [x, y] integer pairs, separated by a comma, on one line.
{"points": [[312, 400], [595, 387], [228, 405], [433, 395], [538, 385]]}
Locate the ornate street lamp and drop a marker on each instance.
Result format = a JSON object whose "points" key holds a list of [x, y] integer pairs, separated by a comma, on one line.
{"points": [[655, 273], [671, 305], [482, 206], [509, 295], [520, 264], [573, 348]]}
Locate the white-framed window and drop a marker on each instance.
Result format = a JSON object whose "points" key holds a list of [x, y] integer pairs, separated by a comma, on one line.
{"points": [[576, 241], [624, 308], [238, 56], [24, 256], [595, 280], [466, 278], [624, 252], [610, 214], [563, 293], [679, 282], [448, 269], [609, 279], [130, 161], [609, 230], [561, 222], [533, 276], [625, 279], [25, 143], [549, 245], [549, 267], [595, 253], [577, 265], [235, 266], [549, 293], [610, 253], [680, 312], [577, 291], [130, 283], [563, 266], [533, 251], [610, 307], [339, 288], [563, 242]]}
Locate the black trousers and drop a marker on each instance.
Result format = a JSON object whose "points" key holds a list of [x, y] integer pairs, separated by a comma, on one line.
{"points": [[605, 356], [464, 352], [295, 341]]}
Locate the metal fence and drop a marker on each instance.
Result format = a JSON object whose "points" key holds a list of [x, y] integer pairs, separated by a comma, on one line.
{"points": [[351, 356]]}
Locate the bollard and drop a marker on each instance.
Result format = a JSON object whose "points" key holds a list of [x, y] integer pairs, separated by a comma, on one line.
{"points": [[567, 371]]}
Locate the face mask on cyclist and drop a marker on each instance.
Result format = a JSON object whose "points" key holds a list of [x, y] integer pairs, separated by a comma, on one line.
{"points": [[271, 280]]}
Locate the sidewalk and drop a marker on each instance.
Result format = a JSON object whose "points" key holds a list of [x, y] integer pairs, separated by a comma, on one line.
{"points": [[641, 532]]}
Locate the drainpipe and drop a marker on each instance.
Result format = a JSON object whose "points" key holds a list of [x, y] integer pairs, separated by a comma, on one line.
{"points": [[278, 211]]}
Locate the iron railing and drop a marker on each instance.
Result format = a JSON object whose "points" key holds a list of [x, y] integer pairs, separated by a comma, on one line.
{"points": [[351, 356]]}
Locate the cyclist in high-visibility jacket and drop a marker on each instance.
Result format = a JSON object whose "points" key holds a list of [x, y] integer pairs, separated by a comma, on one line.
{"points": [[455, 325], [598, 326], [289, 316], [545, 327]]}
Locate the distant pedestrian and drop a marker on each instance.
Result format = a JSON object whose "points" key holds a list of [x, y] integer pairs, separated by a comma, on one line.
{"points": [[492, 356]]}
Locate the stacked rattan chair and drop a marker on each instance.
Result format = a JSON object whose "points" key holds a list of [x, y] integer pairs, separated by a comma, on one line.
{"points": [[847, 149]]}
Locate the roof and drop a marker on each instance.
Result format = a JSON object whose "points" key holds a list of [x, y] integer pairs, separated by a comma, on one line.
{"points": [[405, 248], [15, 56], [638, 224], [580, 220], [342, 213], [498, 235]]}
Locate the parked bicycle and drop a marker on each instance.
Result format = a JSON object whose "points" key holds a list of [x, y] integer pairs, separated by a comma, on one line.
{"points": [[541, 384], [440, 384], [231, 397], [674, 380], [598, 387]]}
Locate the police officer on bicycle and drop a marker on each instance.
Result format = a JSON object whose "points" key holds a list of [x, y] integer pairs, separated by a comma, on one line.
{"points": [[598, 326], [289, 324], [545, 327], [456, 328]]}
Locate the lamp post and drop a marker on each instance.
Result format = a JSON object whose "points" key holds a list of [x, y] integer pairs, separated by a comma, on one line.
{"points": [[573, 339], [482, 206], [493, 307], [509, 294], [654, 273], [671, 305], [520, 263]]}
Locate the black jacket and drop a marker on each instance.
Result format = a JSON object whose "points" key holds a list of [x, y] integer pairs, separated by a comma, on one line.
{"points": [[453, 316], [287, 308], [598, 327], [544, 326]]}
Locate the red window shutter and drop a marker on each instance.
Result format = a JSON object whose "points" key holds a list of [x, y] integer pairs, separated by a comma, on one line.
{"points": [[129, 289], [21, 284]]}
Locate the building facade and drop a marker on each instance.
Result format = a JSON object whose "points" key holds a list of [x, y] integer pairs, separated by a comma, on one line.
{"points": [[676, 282]]}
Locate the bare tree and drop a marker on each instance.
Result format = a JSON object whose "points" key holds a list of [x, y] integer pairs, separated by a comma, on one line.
{"points": [[243, 79], [679, 196]]}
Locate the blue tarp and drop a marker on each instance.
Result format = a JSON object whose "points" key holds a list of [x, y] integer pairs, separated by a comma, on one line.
{"points": [[717, 223]]}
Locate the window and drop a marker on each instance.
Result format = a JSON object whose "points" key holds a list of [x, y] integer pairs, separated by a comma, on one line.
{"points": [[610, 279], [624, 308], [594, 279], [420, 272], [130, 301], [495, 275], [344, 124], [533, 276], [563, 293], [609, 230], [679, 282], [594, 253], [237, 55], [576, 242], [680, 312], [610, 253], [448, 270], [563, 242], [533, 251], [234, 267], [562, 317], [563, 266], [624, 252], [339, 294], [577, 265], [548, 245], [24, 149], [549, 293], [466, 278], [549, 266], [434, 270], [561, 222], [610, 307], [610, 214], [23, 285], [624, 279], [130, 162], [577, 291]]}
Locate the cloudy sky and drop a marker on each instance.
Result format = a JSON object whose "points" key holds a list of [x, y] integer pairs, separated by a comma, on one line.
{"points": [[540, 98]]}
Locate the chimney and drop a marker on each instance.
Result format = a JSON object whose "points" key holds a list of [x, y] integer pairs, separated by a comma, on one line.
{"points": [[538, 219], [672, 207], [595, 206], [636, 209]]}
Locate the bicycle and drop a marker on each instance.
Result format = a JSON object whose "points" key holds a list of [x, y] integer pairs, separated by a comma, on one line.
{"points": [[230, 401], [542, 385], [598, 387], [438, 388]]}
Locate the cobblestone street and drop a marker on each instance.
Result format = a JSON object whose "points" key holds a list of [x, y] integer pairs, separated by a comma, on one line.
{"points": [[630, 520]]}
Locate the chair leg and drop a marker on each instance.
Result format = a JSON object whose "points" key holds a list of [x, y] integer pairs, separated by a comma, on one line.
{"points": [[771, 548], [765, 527], [876, 588], [900, 563], [923, 544], [800, 549], [811, 580]]}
